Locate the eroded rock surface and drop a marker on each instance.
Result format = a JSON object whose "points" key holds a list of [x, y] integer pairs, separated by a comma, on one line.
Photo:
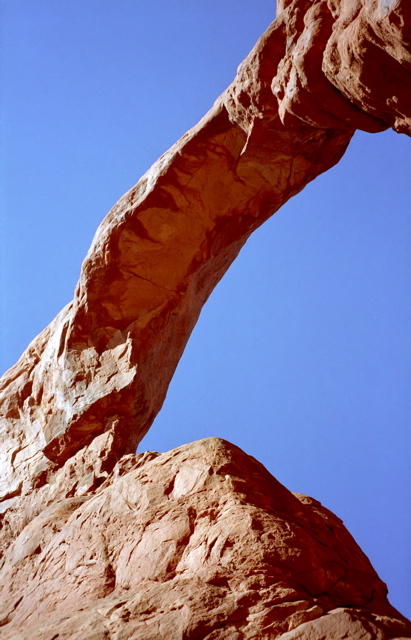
{"points": [[323, 69], [200, 542], [97, 542], [346, 61]]}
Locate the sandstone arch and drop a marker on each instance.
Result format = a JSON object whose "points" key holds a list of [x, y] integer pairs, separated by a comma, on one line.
{"points": [[162, 248], [90, 383]]}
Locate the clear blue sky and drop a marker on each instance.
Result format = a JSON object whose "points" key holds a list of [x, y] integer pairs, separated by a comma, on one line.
{"points": [[302, 356]]}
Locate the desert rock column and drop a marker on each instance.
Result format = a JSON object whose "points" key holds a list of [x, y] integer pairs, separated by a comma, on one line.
{"points": [[89, 386]]}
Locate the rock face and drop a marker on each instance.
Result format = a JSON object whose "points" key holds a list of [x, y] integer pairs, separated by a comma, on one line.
{"points": [[346, 61], [133, 546], [105, 363], [200, 542]]}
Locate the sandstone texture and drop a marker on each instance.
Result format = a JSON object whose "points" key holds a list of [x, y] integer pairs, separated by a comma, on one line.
{"points": [[200, 542], [323, 69], [346, 61], [99, 542]]}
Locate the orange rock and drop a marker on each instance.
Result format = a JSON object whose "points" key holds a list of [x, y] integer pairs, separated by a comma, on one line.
{"points": [[199, 542], [105, 363], [347, 62]]}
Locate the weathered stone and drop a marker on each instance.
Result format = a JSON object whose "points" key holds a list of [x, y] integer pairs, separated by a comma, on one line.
{"points": [[98, 542], [105, 363], [199, 542], [346, 62]]}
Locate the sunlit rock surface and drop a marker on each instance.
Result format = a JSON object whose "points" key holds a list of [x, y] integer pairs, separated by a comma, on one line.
{"points": [[87, 389], [346, 62], [199, 542], [323, 69]]}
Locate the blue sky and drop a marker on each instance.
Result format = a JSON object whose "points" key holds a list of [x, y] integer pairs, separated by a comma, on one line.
{"points": [[302, 356]]}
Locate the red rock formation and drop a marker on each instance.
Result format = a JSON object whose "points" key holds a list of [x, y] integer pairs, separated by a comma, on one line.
{"points": [[346, 61], [89, 386], [201, 542], [105, 363]]}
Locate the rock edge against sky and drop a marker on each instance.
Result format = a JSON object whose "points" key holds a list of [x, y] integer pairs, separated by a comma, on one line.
{"points": [[88, 387]]}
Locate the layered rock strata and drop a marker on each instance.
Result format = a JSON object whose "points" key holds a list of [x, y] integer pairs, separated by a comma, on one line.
{"points": [[198, 543], [88, 387]]}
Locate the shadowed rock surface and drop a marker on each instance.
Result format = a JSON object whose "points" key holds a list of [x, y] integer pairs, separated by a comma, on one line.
{"points": [[87, 389], [199, 542]]}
